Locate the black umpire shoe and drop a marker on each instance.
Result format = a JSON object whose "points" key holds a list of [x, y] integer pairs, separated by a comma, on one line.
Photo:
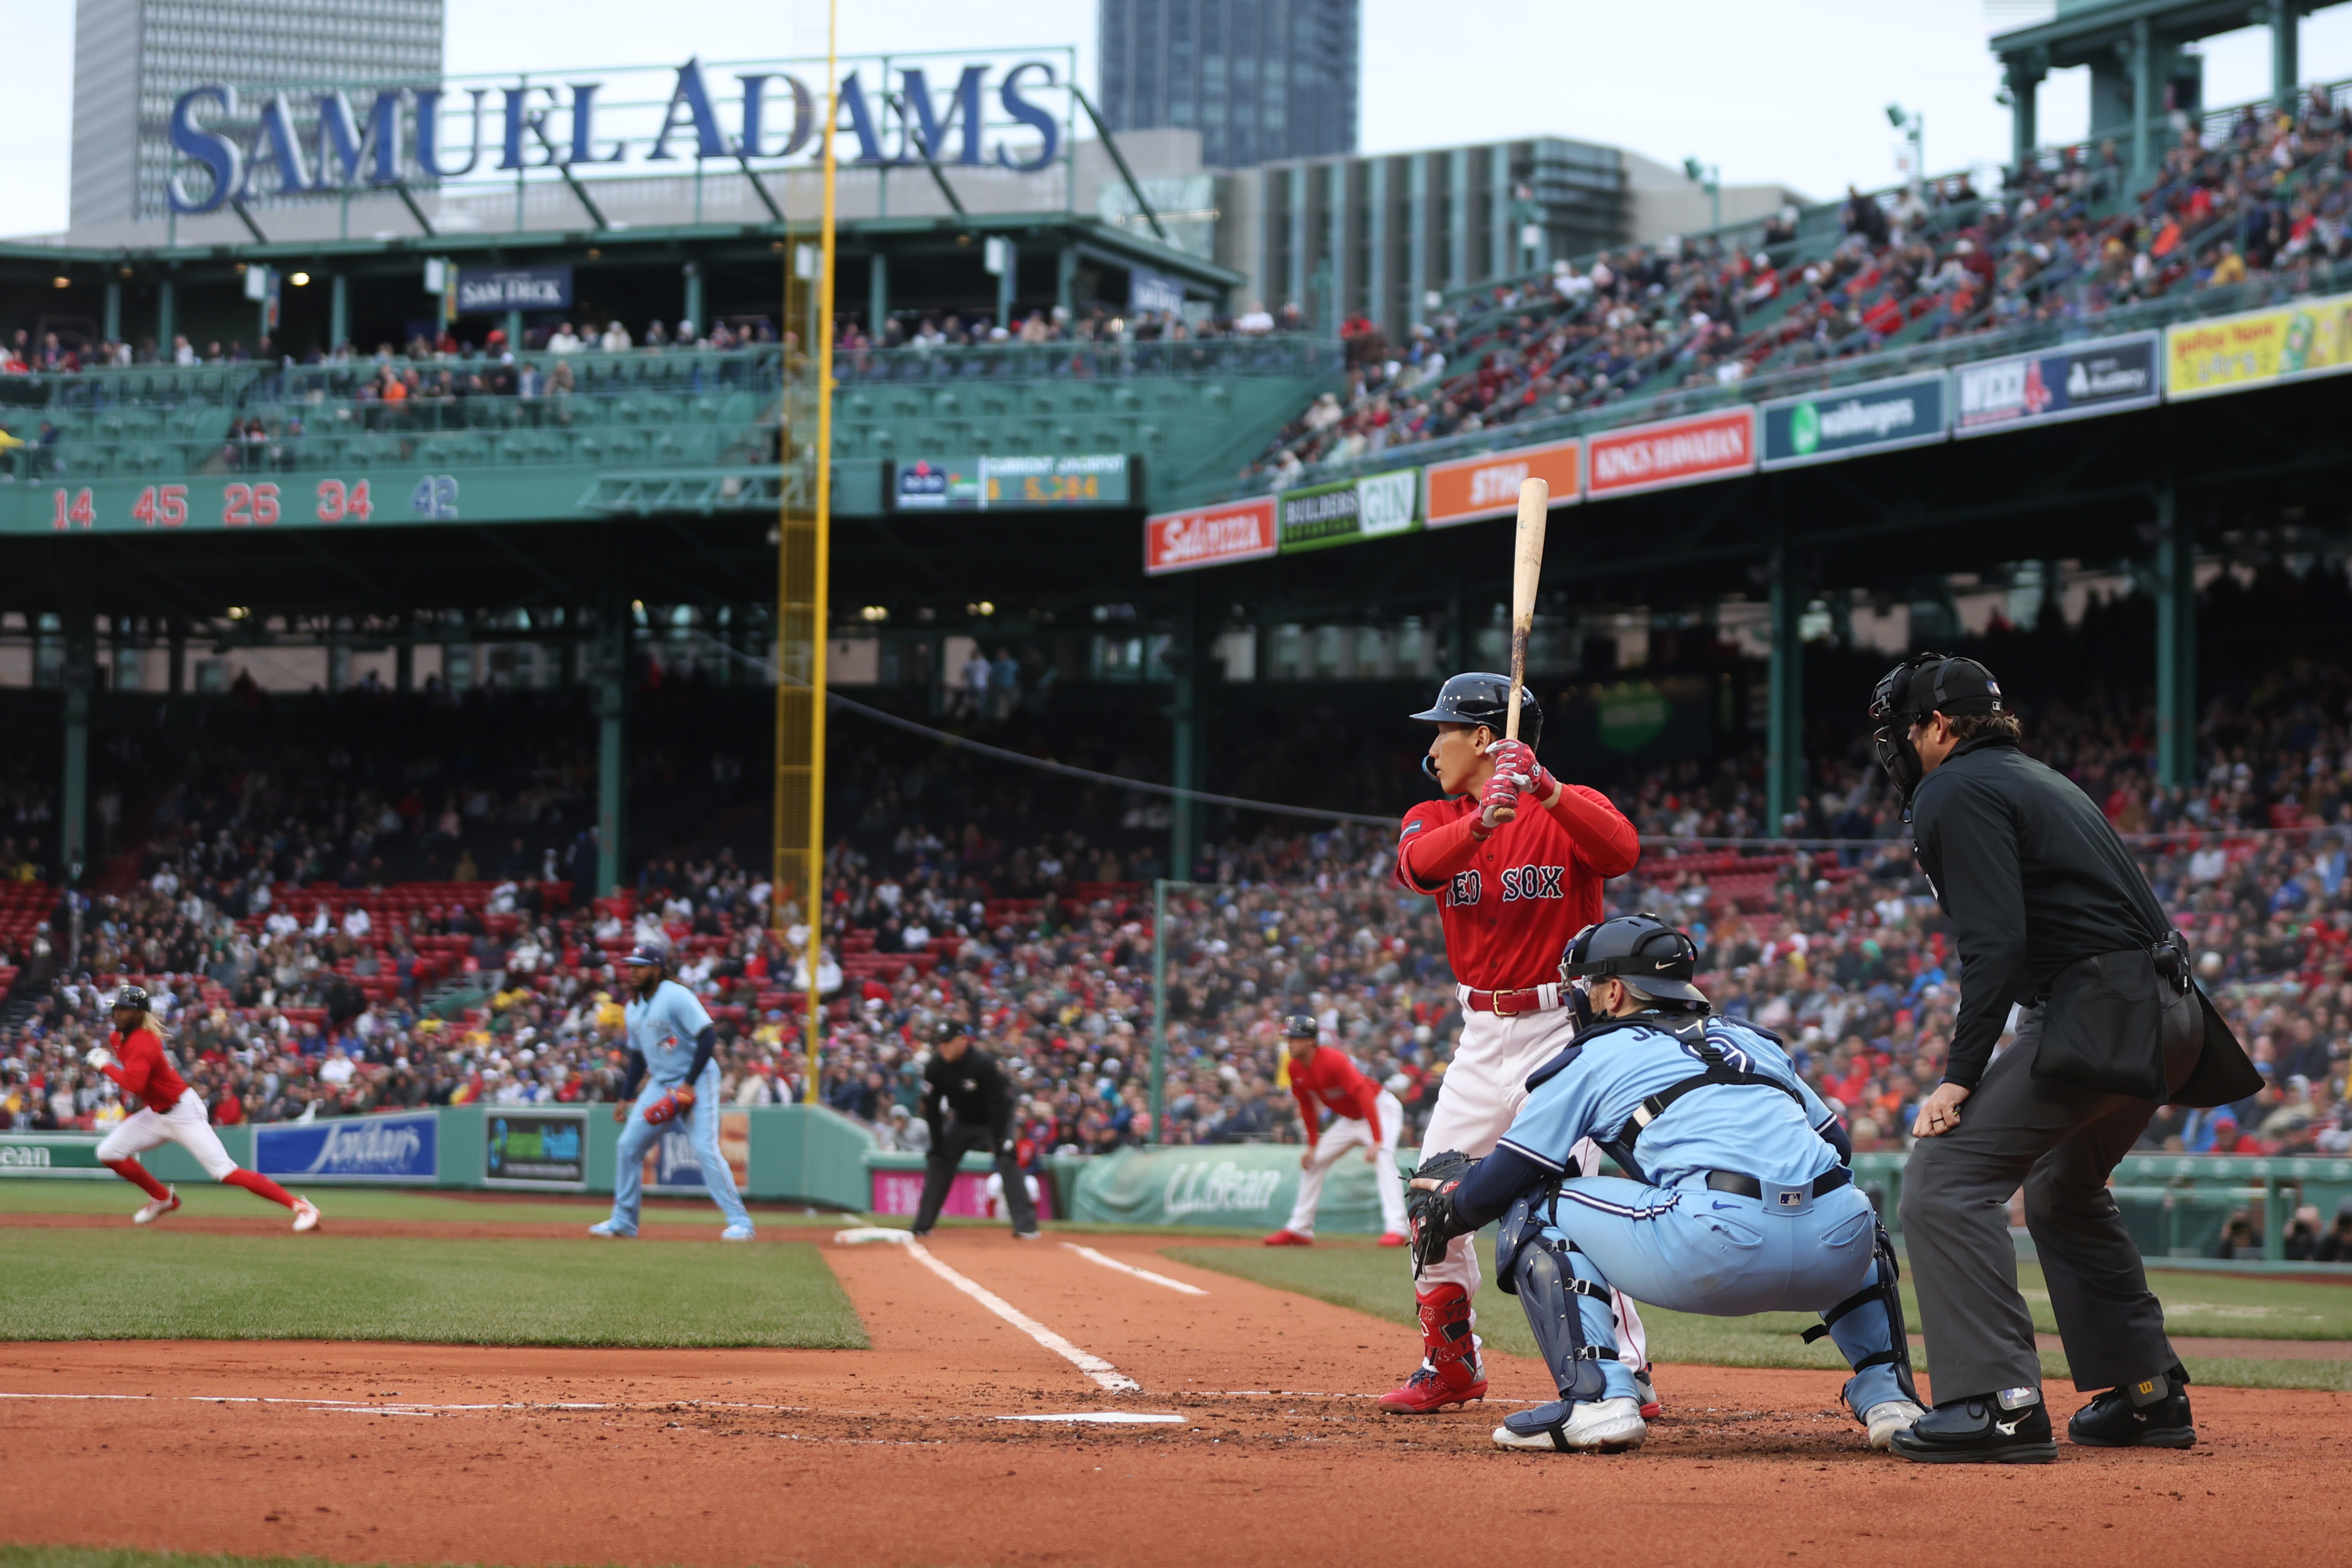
{"points": [[2012, 1428], [2150, 1414]]}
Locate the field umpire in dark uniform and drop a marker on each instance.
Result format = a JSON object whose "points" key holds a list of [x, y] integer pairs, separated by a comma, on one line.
{"points": [[2052, 916], [968, 1105]]}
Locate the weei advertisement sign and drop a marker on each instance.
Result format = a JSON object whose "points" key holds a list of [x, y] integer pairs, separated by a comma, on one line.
{"points": [[402, 1148], [1210, 536], [1849, 421], [1671, 452], [534, 1146], [1370, 508], [2050, 385], [1469, 489], [2260, 348]]}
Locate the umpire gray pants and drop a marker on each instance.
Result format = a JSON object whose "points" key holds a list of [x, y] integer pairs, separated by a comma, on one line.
{"points": [[2061, 1143]]}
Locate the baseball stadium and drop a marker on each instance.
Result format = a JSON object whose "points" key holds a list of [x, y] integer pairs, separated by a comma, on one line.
{"points": [[1032, 816]]}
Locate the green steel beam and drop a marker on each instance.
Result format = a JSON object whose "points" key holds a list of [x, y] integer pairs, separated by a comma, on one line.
{"points": [[2175, 642], [1785, 743]]}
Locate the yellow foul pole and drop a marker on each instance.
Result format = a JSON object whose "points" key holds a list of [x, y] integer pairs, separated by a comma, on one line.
{"points": [[821, 584]]}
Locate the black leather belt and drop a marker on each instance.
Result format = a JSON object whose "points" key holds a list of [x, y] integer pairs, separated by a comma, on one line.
{"points": [[1827, 1181]]}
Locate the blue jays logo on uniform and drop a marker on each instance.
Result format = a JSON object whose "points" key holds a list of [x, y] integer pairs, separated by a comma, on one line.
{"points": [[1532, 882], [1463, 889], [1736, 1059]]}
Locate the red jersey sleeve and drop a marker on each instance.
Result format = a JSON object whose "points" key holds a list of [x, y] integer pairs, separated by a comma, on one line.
{"points": [[1431, 848], [1605, 840], [1308, 1105]]}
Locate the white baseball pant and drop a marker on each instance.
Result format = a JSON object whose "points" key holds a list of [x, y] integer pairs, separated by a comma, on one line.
{"points": [[1476, 1099], [184, 1124], [1347, 1133]]}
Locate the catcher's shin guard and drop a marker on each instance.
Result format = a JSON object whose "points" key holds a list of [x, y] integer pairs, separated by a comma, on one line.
{"points": [[1555, 1298], [1870, 1340]]}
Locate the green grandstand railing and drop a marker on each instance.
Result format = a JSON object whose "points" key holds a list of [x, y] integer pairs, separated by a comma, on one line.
{"points": [[2169, 1182]]}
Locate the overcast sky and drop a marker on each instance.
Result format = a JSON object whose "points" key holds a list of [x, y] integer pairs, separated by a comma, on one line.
{"points": [[1793, 92]]}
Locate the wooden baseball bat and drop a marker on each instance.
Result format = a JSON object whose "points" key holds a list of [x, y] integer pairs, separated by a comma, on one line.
{"points": [[1526, 570]]}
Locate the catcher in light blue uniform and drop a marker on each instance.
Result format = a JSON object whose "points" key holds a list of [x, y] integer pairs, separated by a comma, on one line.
{"points": [[671, 1039], [1741, 1200]]}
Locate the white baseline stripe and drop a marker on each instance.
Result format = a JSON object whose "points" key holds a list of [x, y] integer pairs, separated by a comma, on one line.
{"points": [[1091, 1256], [1093, 1366]]}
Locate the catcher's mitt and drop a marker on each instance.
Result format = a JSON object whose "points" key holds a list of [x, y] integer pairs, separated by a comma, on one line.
{"points": [[663, 1110], [1429, 1213]]}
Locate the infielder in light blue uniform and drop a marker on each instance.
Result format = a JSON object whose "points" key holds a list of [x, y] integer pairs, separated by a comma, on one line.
{"points": [[671, 1039], [1741, 1201]]}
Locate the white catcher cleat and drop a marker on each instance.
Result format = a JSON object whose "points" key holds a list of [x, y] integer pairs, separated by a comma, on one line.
{"points": [[306, 1215], [151, 1212], [1889, 1417], [1598, 1427]]}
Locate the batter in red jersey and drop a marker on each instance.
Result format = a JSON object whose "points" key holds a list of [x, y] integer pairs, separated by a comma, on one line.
{"points": [[169, 1111], [1511, 895], [1363, 1116]]}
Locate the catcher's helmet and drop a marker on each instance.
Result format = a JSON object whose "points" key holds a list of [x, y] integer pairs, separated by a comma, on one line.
{"points": [[1648, 955], [131, 996], [1300, 1026], [1482, 696]]}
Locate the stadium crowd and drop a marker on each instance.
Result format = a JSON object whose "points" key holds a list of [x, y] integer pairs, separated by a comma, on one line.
{"points": [[2062, 243], [302, 979]]}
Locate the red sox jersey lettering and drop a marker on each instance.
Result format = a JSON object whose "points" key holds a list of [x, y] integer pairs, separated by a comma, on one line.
{"points": [[1508, 915]]}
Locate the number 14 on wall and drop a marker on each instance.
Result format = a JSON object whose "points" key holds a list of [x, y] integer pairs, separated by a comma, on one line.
{"points": [[77, 513]]}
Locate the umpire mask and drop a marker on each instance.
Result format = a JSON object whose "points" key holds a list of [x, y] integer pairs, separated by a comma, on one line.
{"points": [[1907, 694]]}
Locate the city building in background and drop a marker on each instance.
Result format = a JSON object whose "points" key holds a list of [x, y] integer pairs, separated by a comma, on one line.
{"points": [[132, 58], [1260, 79]]}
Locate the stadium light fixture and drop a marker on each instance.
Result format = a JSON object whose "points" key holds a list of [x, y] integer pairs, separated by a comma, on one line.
{"points": [[61, 281], [982, 608], [873, 613], [300, 279]]}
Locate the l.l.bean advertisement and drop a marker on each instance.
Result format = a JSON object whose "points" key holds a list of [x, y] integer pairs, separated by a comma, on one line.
{"points": [[1251, 1185], [2260, 348]]}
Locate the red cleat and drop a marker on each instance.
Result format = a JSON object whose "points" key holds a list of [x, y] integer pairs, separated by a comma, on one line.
{"points": [[1393, 1238], [1286, 1237], [1431, 1390], [1646, 1390]]}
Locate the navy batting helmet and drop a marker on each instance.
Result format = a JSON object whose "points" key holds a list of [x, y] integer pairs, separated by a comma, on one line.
{"points": [[646, 953], [1300, 1026], [131, 996], [1650, 957], [1481, 697]]}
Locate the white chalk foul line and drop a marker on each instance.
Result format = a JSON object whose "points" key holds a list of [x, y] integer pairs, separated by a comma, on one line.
{"points": [[1093, 1366], [1091, 1256], [1106, 1418]]}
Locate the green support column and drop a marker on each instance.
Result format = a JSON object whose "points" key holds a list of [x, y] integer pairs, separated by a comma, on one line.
{"points": [[2144, 100], [80, 673], [1416, 242], [2284, 15], [1190, 657], [613, 740], [2024, 82], [694, 297], [2175, 643], [179, 677], [514, 331], [338, 311], [878, 294], [1785, 745], [1066, 282], [112, 328], [166, 318]]}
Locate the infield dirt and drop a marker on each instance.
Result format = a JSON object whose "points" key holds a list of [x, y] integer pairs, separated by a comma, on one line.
{"points": [[903, 1454]]}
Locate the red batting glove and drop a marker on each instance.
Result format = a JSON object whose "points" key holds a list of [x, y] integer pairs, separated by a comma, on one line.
{"points": [[1498, 802], [1519, 759]]}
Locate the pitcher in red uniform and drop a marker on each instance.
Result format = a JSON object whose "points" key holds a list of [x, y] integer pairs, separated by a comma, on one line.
{"points": [[169, 1111], [1511, 894], [1363, 1116]]}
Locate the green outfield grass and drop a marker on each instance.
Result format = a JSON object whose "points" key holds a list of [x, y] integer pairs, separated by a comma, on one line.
{"points": [[212, 1200], [82, 1284], [1372, 1280]]}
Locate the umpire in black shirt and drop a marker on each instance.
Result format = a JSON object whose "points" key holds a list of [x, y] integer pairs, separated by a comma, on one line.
{"points": [[2051, 916], [968, 1105]]}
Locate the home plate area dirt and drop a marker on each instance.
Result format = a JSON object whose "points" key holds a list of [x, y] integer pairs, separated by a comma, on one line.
{"points": [[965, 1436]]}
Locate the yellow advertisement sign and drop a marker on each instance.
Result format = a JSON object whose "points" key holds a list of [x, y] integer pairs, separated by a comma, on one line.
{"points": [[2235, 353]]}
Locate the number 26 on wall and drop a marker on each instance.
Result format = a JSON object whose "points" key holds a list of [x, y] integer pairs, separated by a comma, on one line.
{"points": [[245, 506], [78, 513]]}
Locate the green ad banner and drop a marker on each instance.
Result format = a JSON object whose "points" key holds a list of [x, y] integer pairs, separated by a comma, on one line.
{"points": [[1248, 1185], [47, 1154], [1370, 508]]}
